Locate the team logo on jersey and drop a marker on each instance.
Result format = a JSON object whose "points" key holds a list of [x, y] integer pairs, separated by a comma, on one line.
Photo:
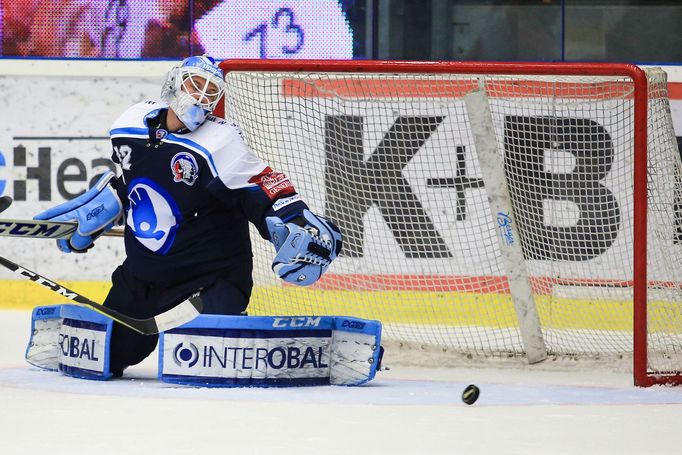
{"points": [[185, 168], [153, 216], [160, 134]]}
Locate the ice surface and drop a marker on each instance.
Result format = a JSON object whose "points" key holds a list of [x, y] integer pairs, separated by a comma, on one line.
{"points": [[406, 410]]}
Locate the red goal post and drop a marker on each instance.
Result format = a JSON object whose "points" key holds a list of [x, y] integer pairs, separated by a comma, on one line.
{"points": [[309, 117]]}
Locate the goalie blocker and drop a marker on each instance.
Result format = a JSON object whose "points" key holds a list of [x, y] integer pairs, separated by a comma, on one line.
{"points": [[217, 350]]}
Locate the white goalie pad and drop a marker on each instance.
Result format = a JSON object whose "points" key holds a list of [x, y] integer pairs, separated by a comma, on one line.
{"points": [[237, 351], [43, 346]]}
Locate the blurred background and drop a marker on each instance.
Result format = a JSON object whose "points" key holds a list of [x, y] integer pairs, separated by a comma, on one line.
{"points": [[644, 31]]}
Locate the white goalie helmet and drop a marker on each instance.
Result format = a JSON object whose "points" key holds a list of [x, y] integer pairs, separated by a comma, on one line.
{"points": [[193, 88]]}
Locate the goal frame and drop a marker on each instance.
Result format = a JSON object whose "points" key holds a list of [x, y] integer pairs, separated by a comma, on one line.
{"points": [[638, 76]]}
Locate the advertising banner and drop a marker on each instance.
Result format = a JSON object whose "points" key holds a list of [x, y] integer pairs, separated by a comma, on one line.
{"points": [[54, 145]]}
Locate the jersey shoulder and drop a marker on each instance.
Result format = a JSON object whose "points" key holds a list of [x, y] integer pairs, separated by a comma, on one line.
{"points": [[220, 137], [221, 142], [132, 120], [216, 133]]}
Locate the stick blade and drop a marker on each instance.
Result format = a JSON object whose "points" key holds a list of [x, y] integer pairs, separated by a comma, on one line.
{"points": [[180, 314]]}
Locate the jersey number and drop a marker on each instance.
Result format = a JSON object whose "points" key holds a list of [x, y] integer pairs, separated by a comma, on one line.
{"points": [[123, 154]]}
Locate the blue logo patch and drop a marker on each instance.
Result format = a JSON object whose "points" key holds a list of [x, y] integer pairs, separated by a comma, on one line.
{"points": [[152, 114], [185, 168], [153, 216], [45, 311], [358, 325]]}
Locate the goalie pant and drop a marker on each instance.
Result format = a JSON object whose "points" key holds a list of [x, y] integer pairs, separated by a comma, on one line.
{"points": [[226, 292], [216, 350]]}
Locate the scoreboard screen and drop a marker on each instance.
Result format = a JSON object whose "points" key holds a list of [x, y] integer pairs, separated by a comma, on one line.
{"points": [[134, 29]]}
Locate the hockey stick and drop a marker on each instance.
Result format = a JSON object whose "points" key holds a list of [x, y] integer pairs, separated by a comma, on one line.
{"points": [[39, 229], [176, 316]]}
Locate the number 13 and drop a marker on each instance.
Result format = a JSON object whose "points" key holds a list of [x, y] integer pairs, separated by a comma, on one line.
{"points": [[287, 16]]}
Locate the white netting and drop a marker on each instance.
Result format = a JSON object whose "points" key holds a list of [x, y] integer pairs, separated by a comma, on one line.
{"points": [[390, 158]]}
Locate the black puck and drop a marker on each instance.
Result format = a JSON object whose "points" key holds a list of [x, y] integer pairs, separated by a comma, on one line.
{"points": [[470, 394]]}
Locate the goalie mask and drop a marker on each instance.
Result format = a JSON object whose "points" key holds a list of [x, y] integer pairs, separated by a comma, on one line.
{"points": [[193, 89]]}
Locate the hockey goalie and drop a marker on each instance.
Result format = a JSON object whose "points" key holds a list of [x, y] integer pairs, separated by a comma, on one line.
{"points": [[189, 186]]}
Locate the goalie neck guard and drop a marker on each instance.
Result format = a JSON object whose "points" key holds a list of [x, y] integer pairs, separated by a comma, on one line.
{"points": [[192, 89]]}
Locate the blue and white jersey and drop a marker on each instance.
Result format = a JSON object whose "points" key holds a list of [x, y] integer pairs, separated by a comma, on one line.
{"points": [[189, 197]]}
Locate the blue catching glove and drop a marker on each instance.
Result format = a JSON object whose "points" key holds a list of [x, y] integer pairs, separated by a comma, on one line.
{"points": [[303, 253], [96, 211]]}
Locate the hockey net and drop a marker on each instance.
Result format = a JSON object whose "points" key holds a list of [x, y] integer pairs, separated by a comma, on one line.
{"points": [[589, 248]]}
